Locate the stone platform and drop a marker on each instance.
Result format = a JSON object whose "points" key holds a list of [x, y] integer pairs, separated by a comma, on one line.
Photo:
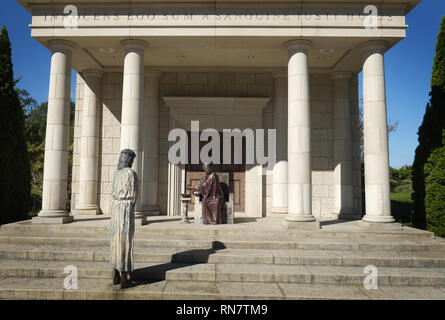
{"points": [[252, 259]]}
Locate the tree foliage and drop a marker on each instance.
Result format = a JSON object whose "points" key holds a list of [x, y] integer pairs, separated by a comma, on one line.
{"points": [[400, 176], [435, 190], [430, 131], [14, 158], [35, 129]]}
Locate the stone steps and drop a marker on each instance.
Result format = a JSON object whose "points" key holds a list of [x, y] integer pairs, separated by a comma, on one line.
{"points": [[174, 261], [311, 244], [41, 288], [214, 233], [263, 273], [241, 256]]}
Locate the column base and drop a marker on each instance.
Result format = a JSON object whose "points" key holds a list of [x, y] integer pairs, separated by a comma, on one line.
{"points": [[94, 211], [378, 219], [377, 226], [52, 217], [298, 225]]}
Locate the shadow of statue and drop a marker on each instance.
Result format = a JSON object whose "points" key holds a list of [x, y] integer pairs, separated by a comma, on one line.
{"points": [[245, 220], [157, 273]]}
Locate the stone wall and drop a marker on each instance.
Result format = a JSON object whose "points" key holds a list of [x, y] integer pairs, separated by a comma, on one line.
{"points": [[321, 94], [322, 145], [221, 84]]}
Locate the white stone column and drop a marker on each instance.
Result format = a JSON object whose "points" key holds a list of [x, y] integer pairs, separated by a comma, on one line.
{"points": [[299, 136], [150, 206], [89, 153], [55, 173], [343, 181], [377, 191], [132, 109], [279, 181]]}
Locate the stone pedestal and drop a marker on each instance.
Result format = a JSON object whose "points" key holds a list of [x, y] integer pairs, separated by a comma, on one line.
{"points": [[55, 172], [52, 219], [198, 211], [185, 200], [378, 226], [230, 207]]}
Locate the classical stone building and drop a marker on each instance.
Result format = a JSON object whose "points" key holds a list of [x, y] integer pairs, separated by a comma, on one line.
{"points": [[146, 67]]}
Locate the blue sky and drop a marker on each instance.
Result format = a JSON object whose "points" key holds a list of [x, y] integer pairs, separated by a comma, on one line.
{"points": [[408, 69]]}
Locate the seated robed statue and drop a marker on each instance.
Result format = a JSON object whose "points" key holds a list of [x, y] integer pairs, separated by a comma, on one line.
{"points": [[210, 190]]}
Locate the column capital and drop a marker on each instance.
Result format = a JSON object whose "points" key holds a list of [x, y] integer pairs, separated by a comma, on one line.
{"points": [[377, 46], [152, 73], [279, 74], [92, 73], [341, 75], [129, 44], [298, 45], [62, 45]]}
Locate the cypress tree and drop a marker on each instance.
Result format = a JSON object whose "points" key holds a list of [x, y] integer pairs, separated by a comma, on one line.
{"points": [[435, 190], [15, 176], [430, 131]]}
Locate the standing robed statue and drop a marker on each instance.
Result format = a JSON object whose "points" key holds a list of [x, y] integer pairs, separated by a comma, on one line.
{"points": [[125, 192]]}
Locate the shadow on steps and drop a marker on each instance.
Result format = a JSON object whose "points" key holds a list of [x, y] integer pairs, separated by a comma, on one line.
{"points": [[179, 260]]}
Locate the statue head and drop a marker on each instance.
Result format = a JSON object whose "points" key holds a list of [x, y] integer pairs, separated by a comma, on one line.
{"points": [[207, 168], [126, 159]]}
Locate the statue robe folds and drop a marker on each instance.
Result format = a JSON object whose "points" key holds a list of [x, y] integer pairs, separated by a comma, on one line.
{"points": [[125, 192], [213, 199]]}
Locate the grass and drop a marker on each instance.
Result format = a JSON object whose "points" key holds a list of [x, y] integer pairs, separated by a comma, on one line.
{"points": [[401, 202]]}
